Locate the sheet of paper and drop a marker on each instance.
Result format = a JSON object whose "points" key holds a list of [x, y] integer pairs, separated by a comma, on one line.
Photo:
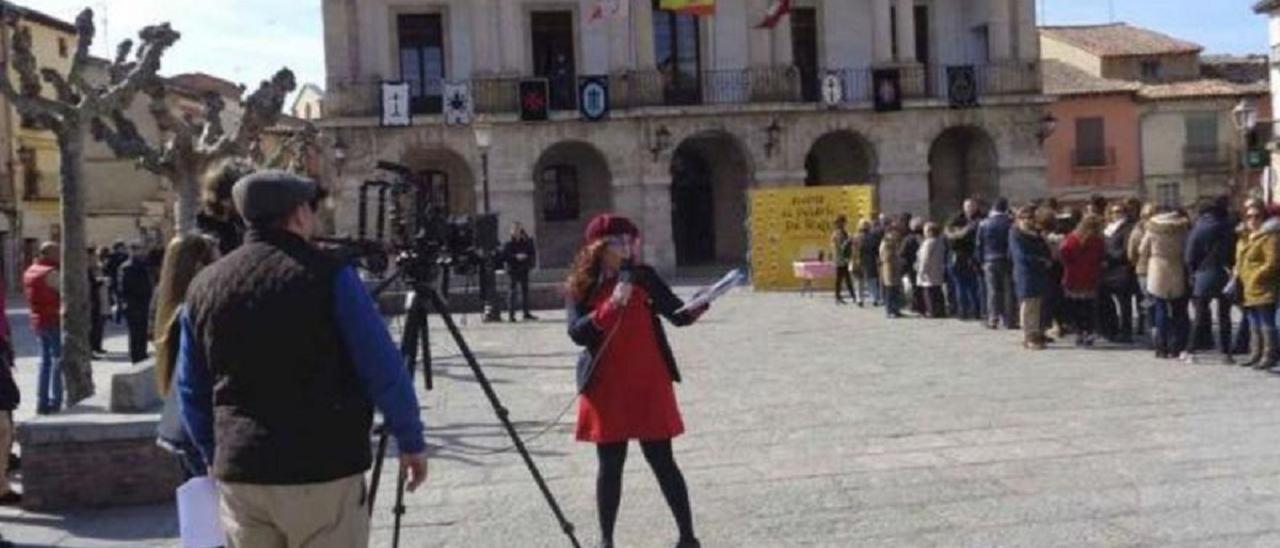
{"points": [[198, 522], [709, 294]]}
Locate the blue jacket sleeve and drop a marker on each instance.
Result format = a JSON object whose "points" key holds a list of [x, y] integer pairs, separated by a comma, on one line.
{"points": [[195, 391], [379, 366]]}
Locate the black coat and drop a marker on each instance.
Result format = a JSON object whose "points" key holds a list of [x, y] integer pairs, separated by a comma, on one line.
{"points": [[662, 301], [9, 395], [1118, 275], [517, 246], [1210, 254], [136, 286]]}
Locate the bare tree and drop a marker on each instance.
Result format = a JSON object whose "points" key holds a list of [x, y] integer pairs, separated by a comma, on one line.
{"points": [[75, 102], [192, 147]]}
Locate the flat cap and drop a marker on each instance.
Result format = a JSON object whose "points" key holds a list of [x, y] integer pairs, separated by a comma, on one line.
{"points": [[267, 196]]}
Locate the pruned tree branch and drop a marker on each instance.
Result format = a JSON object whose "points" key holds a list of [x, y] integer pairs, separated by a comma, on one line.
{"points": [[27, 96], [126, 141], [121, 68], [213, 130], [85, 32], [261, 111], [155, 40], [61, 87]]}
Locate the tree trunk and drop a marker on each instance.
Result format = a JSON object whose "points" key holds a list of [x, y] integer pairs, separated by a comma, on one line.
{"points": [[188, 190], [76, 356]]}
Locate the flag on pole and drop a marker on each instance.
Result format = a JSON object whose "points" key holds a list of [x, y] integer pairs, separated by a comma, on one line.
{"points": [[690, 7], [777, 9], [609, 9]]}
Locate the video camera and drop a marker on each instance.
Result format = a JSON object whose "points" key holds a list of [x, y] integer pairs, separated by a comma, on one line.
{"points": [[412, 226]]}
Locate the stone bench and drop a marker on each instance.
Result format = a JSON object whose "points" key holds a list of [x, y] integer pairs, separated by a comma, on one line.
{"points": [[87, 457]]}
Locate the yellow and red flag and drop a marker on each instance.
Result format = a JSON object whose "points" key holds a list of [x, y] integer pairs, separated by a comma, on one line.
{"points": [[691, 7]]}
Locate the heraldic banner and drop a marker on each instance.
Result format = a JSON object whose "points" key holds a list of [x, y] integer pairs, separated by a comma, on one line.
{"points": [[692, 7], [795, 224]]}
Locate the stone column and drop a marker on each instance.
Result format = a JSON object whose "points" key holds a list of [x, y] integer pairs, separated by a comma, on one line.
{"points": [[483, 15], [906, 23], [882, 51], [642, 21], [512, 37], [1000, 31], [1028, 36], [782, 43]]}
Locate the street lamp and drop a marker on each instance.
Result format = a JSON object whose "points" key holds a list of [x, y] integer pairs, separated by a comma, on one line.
{"points": [[772, 135], [1245, 117], [1048, 124], [660, 142], [484, 140], [339, 155]]}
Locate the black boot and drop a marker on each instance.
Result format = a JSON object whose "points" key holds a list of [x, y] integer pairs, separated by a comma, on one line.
{"points": [[688, 543]]}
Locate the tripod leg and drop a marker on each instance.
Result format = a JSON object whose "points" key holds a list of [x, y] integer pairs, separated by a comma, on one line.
{"points": [[502, 413], [398, 510], [428, 377], [377, 468]]}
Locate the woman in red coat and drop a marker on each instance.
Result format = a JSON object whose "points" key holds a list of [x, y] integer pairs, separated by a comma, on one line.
{"points": [[1082, 254], [625, 375]]}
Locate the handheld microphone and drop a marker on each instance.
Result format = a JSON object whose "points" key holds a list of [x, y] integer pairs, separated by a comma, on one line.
{"points": [[627, 271]]}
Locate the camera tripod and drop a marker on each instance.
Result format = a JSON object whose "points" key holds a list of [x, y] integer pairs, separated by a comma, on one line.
{"points": [[414, 338]]}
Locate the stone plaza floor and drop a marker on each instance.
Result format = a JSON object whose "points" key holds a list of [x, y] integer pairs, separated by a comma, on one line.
{"points": [[816, 425]]}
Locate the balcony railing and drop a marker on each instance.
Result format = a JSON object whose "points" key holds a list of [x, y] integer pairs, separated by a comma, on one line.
{"points": [[652, 88], [1206, 157], [1085, 159]]}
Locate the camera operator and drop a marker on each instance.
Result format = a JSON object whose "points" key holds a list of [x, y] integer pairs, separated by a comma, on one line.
{"points": [[521, 256], [282, 359]]}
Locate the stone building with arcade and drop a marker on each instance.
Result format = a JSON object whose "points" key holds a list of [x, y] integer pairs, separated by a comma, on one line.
{"points": [[929, 100]]}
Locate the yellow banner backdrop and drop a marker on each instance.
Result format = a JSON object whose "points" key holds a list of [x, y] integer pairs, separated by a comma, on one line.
{"points": [[795, 223]]}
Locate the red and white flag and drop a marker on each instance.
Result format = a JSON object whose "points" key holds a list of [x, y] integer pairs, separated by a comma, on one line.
{"points": [[777, 10], [609, 9]]}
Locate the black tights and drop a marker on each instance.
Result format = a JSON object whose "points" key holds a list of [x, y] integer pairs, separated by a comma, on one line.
{"points": [[609, 484]]}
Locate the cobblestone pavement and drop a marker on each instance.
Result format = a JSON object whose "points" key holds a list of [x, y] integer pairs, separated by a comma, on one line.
{"points": [[810, 424]]}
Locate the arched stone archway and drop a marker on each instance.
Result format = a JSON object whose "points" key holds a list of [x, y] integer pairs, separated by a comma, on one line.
{"points": [[572, 183], [710, 174], [447, 174], [963, 163], [840, 158]]}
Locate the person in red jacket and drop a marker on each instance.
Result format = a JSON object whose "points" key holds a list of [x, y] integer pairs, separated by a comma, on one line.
{"points": [[1082, 253], [625, 375], [42, 285]]}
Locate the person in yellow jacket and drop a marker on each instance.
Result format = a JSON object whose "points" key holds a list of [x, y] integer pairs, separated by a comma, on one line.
{"points": [[1258, 268]]}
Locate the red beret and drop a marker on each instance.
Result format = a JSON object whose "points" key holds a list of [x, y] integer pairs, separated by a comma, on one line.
{"points": [[608, 224]]}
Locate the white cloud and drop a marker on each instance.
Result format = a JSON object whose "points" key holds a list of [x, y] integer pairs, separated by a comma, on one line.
{"points": [[241, 40]]}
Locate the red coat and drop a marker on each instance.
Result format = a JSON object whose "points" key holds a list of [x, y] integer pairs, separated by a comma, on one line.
{"points": [[1082, 263], [46, 303], [631, 396]]}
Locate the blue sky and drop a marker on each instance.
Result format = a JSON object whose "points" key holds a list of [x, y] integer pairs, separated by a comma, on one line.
{"points": [[247, 40]]}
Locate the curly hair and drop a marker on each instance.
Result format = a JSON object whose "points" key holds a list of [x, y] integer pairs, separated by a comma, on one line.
{"points": [[585, 271], [216, 184]]}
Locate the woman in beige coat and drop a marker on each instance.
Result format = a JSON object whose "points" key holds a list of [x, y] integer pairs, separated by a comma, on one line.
{"points": [[1161, 251]]}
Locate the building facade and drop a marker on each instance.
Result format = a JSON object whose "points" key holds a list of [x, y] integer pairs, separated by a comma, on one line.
{"points": [[1096, 148], [309, 103], [1271, 8], [1132, 97], [702, 110]]}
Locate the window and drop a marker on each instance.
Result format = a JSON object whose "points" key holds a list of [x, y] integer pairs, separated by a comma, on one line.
{"points": [[422, 60], [63, 51], [1091, 142], [1202, 139], [1150, 70], [560, 193], [804, 44], [553, 56], [30, 173], [676, 39], [1169, 195]]}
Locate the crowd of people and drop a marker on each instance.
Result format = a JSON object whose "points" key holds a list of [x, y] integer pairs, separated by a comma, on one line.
{"points": [[1122, 271]]}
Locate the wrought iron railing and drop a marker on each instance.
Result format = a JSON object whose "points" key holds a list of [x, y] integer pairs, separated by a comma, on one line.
{"points": [[1206, 156], [1093, 158], [650, 88]]}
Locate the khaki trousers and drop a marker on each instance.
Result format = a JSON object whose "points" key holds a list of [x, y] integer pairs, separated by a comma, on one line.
{"points": [[316, 515], [1031, 327], [6, 444]]}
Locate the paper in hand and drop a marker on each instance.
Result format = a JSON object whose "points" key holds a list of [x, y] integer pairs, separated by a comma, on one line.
{"points": [[709, 294], [198, 523]]}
